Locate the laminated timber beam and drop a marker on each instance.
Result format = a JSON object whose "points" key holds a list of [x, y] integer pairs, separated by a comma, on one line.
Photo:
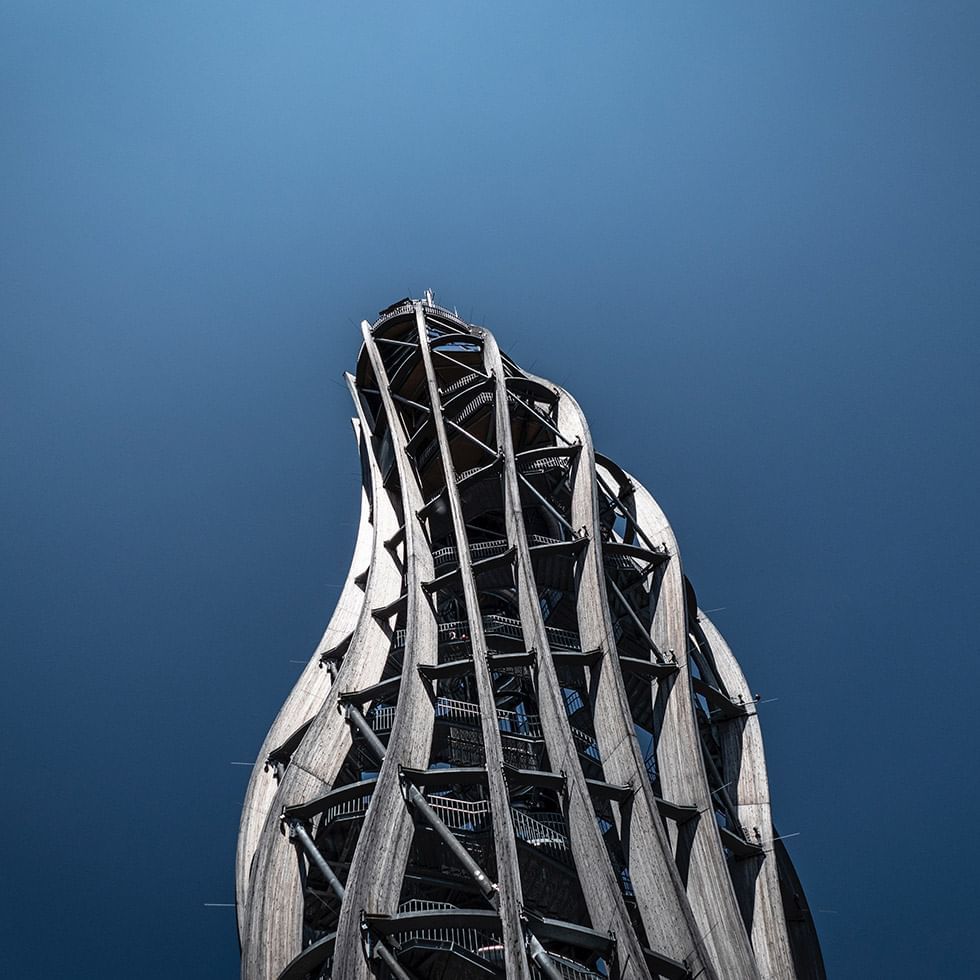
{"points": [[279, 757], [756, 883], [376, 870], [509, 883], [307, 695], [601, 883], [271, 914], [656, 878], [311, 960], [376, 692], [680, 766]]}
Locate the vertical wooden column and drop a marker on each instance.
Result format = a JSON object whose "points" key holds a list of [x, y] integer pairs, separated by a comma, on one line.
{"points": [[680, 765], [307, 695], [377, 869], [599, 881], [661, 898], [756, 879], [274, 914], [508, 873]]}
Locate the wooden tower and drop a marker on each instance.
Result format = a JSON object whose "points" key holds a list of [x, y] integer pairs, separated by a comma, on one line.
{"points": [[520, 749]]}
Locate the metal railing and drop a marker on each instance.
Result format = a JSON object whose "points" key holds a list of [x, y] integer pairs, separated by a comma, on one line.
{"points": [[381, 718], [356, 807], [465, 413], [478, 549], [544, 832], [539, 539], [522, 753], [544, 463], [621, 561], [486, 945], [464, 815], [467, 473], [495, 624], [483, 944], [423, 905], [512, 723], [460, 384], [569, 969], [484, 549]]}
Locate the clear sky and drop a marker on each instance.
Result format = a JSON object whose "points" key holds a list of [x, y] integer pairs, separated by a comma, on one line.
{"points": [[744, 236]]}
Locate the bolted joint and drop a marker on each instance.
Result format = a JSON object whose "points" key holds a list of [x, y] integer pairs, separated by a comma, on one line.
{"points": [[289, 826], [367, 940], [404, 785]]}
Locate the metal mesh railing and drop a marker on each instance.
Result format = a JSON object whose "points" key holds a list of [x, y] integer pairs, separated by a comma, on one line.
{"points": [[522, 753], [423, 905], [545, 832], [484, 549], [466, 473]]}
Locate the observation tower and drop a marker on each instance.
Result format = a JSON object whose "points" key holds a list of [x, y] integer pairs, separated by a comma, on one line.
{"points": [[520, 750]]}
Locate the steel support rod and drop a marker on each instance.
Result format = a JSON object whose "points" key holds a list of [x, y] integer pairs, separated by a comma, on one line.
{"points": [[472, 438], [360, 723], [487, 888], [539, 954], [300, 833], [452, 360], [561, 435], [621, 507], [631, 612], [547, 503]]}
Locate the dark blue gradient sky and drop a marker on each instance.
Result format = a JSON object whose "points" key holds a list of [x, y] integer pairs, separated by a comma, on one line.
{"points": [[745, 236]]}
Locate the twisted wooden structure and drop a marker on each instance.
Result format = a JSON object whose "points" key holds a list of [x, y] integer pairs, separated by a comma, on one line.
{"points": [[520, 749]]}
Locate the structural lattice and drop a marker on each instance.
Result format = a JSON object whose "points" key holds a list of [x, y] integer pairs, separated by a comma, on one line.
{"points": [[520, 749]]}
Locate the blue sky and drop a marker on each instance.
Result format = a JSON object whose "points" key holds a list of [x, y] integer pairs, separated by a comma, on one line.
{"points": [[744, 236]]}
